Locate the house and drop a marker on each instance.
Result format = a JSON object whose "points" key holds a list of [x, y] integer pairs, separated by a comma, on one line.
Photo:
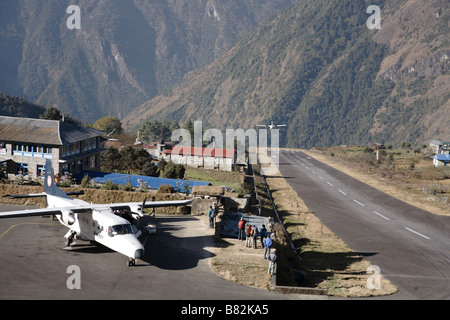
{"points": [[445, 148], [26, 143], [436, 145], [441, 160], [442, 149], [197, 157]]}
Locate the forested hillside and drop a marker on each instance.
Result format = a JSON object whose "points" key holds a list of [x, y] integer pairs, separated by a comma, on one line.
{"points": [[319, 68]]}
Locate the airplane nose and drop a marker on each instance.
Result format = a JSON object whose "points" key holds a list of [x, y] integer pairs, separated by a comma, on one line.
{"points": [[138, 253]]}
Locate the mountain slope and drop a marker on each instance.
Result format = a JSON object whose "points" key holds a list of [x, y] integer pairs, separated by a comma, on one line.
{"points": [[125, 53], [317, 67]]}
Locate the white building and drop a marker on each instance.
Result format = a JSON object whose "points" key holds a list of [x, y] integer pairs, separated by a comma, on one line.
{"points": [[207, 158]]}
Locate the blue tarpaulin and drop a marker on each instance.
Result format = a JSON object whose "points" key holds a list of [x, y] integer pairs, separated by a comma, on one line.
{"points": [[136, 181]]}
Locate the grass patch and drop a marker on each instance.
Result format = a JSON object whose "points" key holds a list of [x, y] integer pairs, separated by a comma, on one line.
{"points": [[231, 179]]}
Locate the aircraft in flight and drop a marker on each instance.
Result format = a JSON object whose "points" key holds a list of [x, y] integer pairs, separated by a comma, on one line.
{"points": [[93, 222], [271, 126]]}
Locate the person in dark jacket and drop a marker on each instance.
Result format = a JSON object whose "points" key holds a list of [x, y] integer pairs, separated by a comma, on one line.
{"points": [[211, 217], [263, 234]]}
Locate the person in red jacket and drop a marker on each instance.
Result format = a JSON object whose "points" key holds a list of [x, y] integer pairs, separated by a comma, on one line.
{"points": [[241, 226], [248, 236]]}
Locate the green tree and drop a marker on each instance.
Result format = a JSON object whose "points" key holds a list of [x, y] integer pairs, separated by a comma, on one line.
{"points": [[110, 160], [150, 169], [111, 125], [173, 171], [154, 130], [51, 114], [189, 126]]}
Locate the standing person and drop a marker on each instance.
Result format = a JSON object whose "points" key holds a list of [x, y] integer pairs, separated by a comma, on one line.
{"points": [[248, 230], [267, 245], [255, 236], [211, 217], [263, 234], [272, 261], [241, 226]]}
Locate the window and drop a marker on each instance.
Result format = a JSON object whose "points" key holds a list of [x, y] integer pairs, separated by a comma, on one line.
{"points": [[71, 149], [40, 170], [22, 169], [93, 161], [120, 229], [31, 150], [90, 144]]}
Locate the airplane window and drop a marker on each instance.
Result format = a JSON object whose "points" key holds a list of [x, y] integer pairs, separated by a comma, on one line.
{"points": [[121, 229]]}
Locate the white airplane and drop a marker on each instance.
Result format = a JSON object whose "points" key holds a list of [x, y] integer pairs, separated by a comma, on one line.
{"points": [[271, 126], [93, 222]]}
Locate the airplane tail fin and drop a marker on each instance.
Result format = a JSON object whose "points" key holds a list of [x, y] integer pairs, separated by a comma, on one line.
{"points": [[50, 187]]}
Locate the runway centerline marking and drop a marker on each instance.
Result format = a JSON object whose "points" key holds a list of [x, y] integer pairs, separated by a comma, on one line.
{"points": [[419, 234], [342, 192], [384, 217], [331, 185], [361, 204]]}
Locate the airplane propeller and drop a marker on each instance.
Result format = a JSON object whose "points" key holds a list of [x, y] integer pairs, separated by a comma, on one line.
{"points": [[143, 206]]}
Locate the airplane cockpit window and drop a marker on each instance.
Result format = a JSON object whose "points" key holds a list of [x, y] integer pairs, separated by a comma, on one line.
{"points": [[120, 229]]}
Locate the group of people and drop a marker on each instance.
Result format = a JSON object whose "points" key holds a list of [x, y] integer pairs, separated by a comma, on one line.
{"points": [[251, 234]]}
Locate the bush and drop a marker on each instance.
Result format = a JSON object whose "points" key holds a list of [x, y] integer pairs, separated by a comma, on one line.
{"points": [[85, 181], [165, 188], [110, 186], [173, 171], [126, 187]]}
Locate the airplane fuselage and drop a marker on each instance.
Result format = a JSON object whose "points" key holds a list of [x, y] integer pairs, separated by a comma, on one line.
{"points": [[98, 223]]}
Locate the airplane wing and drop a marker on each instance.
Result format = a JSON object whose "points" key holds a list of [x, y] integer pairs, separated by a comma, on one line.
{"points": [[137, 207], [43, 212]]}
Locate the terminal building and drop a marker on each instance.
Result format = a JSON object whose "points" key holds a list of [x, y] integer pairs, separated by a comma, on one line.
{"points": [[26, 143]]}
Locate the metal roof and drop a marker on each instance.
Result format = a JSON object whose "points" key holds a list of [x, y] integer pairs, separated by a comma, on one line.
{"points": [[136, 180], [442, 157], [41, 131]]}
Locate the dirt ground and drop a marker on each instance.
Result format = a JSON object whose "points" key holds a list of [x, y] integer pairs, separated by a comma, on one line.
{"points": [[237, 263]]}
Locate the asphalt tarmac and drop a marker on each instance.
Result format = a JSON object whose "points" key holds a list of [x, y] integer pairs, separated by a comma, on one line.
{"points": [[35, 265], [410, 246]]}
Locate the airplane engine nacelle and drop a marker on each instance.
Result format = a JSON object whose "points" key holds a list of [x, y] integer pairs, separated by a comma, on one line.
{"points": [[68, 217]]}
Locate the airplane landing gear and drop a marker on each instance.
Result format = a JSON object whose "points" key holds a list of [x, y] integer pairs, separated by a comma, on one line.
{"points": [[131, 262], [69, 237]]}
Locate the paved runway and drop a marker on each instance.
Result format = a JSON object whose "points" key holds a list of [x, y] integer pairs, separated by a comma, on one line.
{"points": [[411, 246], [176, 265]]}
